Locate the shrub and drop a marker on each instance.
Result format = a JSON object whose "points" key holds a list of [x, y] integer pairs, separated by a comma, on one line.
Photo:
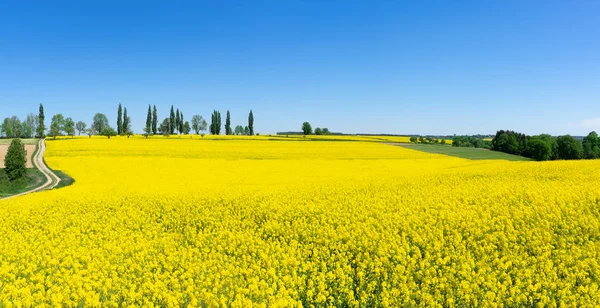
{"points": [[15, 160]]}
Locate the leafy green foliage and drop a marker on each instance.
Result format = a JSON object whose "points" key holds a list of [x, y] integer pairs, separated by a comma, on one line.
{"points": [[15, 160]]}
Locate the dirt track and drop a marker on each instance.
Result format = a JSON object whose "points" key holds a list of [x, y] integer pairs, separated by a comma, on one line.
{"points": [[38, 161], [30, 148]]}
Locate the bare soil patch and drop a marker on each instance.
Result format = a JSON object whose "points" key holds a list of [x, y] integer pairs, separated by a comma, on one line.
{"points": [[30, 148]]}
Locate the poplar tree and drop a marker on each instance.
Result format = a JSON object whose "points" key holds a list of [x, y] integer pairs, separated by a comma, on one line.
{"points": [[41, 126], [154, 121], [126, 125], [251, 123], [228, 123], [120, 120], [177, 121], [172, 121], [148, 129]]}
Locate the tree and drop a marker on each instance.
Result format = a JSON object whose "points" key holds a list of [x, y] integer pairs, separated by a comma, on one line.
{"points": [[69, 127], [14, 162], [228, 130], [507, 142], [306, 128], [186, 128], [569, 147], [57, 125], [181, 122], [325, 131], [247, 131], [80, 126], [126, 124], [6, 128], [91, 131], [109, 132], [177, 121], [539, 148], [239, 130], [203, 126], [120, 120], [172, 121], [413, 139], [196, 121], [41, 126], [154, 120], [591, 146], [251, 123], [215, 125], [32, 123], [165, 127], [100, 122], [318, 131]]}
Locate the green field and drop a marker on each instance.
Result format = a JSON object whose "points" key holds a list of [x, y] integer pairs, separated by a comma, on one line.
{"points": [[467, 153], [31, 180], [25, 141]]}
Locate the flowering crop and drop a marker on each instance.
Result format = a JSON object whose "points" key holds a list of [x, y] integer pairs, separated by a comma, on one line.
{"points": [[242, 223]]}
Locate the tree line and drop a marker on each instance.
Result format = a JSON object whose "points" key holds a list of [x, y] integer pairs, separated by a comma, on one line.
{"points": [[471, 142], [545, 147], [307, 130], [34, 125], [427, 140]]}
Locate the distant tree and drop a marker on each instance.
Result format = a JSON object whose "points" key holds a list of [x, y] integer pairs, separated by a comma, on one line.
{"points": [[6, 128], [127, 130], [186, 128], [422, 140], [26, 130], [69, 127], [15, 160], [306, 128], [57, 125], [325, 131], [318, 131], [177, 121], [41, 126], [215, 125], [247, 131], [154, 121], [165, 127], [91, 131], [591, 146], [507, 142], [148, 127], [100, 122], [203, 126], [539, 149], [239, 130], [120, 120], [32, 122], [181, 122], [109, 132], [443, 141], [228, 130], [196, 121], [569, 147], [251, 123], [172, 121], [80, 126], [413, 139]]}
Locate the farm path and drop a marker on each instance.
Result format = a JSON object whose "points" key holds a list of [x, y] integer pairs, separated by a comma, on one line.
{"points": [[38, 161]]}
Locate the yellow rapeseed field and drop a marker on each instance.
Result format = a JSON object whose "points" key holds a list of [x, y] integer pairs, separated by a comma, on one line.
{"points": [[239, 223]]}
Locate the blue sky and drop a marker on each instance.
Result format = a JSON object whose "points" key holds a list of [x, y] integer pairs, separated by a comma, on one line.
{"points": [[432, 67]]}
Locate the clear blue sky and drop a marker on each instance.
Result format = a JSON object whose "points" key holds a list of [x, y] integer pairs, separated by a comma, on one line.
{"points": [[436, 67]]}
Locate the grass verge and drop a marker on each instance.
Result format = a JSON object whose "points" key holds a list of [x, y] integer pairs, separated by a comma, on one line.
{"points": [[32, 179]]}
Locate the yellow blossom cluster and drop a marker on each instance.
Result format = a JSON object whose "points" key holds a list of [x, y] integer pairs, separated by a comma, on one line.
{"points": [[177, 222]]}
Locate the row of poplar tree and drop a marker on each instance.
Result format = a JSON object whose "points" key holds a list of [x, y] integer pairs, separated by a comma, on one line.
{"points": [[34, 126], [175, 124]]}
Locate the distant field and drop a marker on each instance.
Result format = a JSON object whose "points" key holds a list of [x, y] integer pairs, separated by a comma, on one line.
{"points": [[467, 153], [25, 141]]}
